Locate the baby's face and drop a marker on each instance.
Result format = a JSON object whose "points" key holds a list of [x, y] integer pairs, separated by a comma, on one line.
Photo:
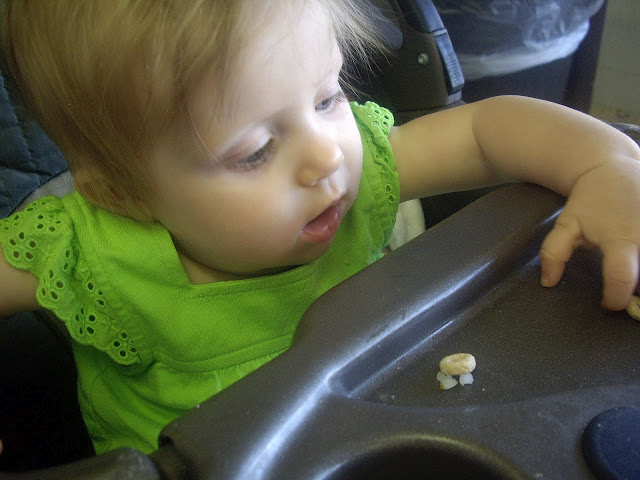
{"points": [[265, 187]]}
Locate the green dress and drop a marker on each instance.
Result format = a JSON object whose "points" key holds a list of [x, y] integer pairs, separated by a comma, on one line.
{"points": [[148, 344]]}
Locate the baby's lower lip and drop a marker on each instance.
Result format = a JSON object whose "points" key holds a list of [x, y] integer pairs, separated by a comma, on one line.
{"points": [[324, 226]]}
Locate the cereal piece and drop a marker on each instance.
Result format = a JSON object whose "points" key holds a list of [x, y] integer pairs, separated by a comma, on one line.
{"points": [[458, 364], [466, 379], [633, 308], [446, 381]]}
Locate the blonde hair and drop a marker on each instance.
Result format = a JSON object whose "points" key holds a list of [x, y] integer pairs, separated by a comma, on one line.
{"points": [[106, 78]]}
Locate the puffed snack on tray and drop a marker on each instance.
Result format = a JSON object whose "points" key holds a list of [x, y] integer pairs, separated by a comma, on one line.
{"points": [[461, 364], [633, 308]]}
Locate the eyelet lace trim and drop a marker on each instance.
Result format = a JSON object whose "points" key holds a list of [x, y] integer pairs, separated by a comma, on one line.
{"points": [[380, 122], [40, 239]]}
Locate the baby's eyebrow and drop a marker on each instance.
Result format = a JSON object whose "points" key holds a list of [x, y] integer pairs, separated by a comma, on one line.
{"points": [[334, 57], [334, 66], [339, 59]]}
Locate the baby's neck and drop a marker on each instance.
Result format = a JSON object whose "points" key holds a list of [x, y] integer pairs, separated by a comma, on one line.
{"points": [[199, 274]]}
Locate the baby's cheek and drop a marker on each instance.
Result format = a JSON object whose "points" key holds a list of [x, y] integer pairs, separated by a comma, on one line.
{"points": [[270, 226]]}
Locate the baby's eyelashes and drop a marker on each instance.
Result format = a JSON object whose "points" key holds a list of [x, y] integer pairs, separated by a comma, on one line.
{"points": [[331, 102], [256, 159]]}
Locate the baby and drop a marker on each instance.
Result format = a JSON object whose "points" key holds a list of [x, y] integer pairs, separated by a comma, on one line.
{"points": [[224, 182]]}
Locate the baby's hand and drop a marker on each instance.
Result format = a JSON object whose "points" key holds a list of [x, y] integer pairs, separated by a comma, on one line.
{"points": [[602, 211]]}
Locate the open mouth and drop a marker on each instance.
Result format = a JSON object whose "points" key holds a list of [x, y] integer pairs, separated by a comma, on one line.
{"points": [[324, 226]]}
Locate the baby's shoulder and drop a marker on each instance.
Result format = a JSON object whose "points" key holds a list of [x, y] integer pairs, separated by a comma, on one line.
{"points": [[43, 239], [42, 223]]}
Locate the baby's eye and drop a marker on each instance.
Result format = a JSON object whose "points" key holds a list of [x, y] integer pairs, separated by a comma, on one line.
{"points": [[330, 103], [256, 159]]}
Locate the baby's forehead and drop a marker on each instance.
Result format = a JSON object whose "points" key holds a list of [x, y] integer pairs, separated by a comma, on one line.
{"points": [[303, 55], [302, 31]]}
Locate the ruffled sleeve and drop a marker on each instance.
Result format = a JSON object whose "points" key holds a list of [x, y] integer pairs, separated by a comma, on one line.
{"points": [[41, 239], [374, 123]]}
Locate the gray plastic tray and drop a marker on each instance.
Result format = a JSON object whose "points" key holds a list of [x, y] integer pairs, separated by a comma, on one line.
{"points": [[357, 397]]}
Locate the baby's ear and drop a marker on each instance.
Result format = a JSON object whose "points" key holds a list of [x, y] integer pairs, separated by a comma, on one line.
{"points": [[93, 187], [96, 189]]}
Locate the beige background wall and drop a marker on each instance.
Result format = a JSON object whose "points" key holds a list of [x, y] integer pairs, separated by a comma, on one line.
{"points": [[616, 95]]}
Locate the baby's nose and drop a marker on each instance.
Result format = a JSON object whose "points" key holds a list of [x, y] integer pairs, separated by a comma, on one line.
{"points": [[321, 159]]}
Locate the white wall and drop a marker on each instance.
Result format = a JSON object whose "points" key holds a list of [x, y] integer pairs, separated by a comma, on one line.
{"points": [[616, 94]]}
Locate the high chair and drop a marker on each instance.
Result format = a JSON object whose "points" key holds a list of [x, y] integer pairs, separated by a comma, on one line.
{"points": [[556, 391]]}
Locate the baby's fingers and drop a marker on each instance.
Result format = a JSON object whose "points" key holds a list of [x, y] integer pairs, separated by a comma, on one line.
{"points": [[619, 273], [556, 250]]}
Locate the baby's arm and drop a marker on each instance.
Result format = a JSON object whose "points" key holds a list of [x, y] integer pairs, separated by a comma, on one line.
{"points": [[593, 164], [17, 289]]}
